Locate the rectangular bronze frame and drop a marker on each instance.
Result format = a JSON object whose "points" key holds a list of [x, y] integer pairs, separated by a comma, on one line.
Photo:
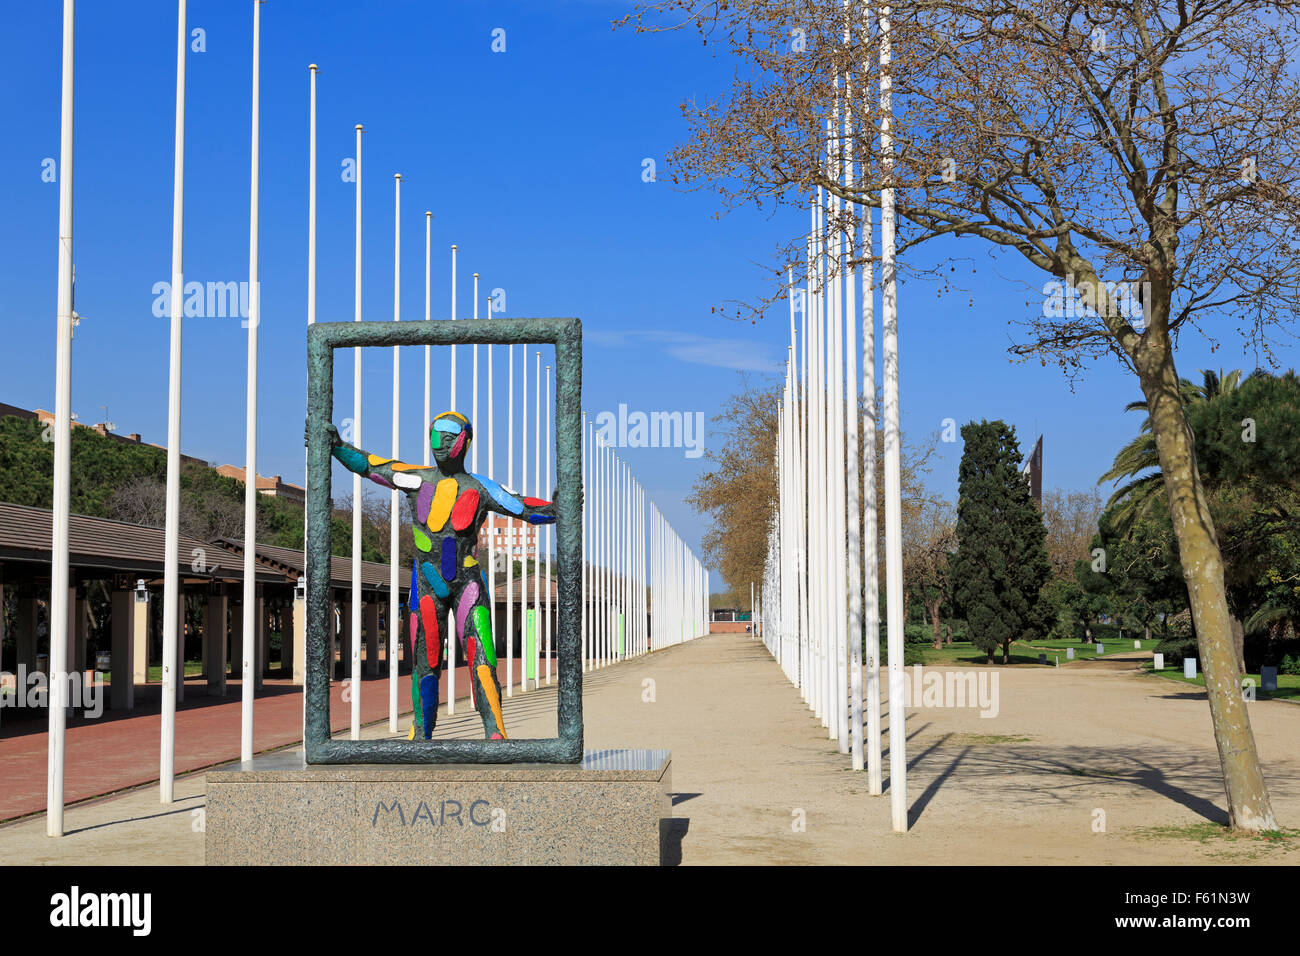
{"points": [[322, 339]]}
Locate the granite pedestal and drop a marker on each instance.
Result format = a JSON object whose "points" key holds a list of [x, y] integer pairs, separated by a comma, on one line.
{"points": [[612, 808]]}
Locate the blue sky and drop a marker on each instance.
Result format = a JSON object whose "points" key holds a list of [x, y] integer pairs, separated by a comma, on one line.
{"points": [[531, 162]]}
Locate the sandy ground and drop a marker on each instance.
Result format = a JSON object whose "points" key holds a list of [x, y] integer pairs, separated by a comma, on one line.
{"points": [[1070, 748]]}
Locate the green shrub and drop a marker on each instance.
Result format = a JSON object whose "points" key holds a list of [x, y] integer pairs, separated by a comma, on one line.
{"points": [[1177, 648], [918, 634]]}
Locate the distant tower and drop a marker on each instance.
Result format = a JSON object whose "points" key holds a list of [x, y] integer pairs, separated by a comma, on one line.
{"points": [[1034, 469]]}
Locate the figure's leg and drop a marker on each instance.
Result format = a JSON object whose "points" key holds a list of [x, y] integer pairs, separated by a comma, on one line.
{"points": [[474, 628], [425, 647]]}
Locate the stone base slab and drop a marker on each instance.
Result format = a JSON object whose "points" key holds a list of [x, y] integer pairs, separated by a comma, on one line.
{"points": [[612, 808]]}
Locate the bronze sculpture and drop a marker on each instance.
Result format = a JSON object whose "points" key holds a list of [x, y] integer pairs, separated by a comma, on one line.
{"points": [[449, 505]]}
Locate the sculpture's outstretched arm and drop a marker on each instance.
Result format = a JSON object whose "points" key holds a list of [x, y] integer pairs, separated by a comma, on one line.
{"points": [[383, 471], [505, 502]]}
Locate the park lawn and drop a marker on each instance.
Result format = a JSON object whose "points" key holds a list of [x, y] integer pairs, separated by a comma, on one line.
{"points": [[192, 669], [1113, 647], [1288, 685], [1022, 652], [964, 652]]}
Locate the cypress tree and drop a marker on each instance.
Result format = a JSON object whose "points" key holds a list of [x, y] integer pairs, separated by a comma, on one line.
{"points": [[1000, 565]]}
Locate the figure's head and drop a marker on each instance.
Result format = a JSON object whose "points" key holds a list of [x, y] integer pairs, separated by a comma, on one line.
{"points": [[449, 437]]}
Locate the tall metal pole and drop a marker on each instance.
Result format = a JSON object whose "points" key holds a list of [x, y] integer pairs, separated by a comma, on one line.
{"points": [[428, 223], [510, 522], [394, 511], [473, 415], [586, 523], [453, 349], [354, 686], [58, 694], [171, 538], [451, 612], [311, 320], [893, 452], [537, 535], [870, 526], [817, 479], [598, 531], [840, 463], [523, 527], [546, 529], [251, 623], [804, 514], [492, 473], [850, 419]]}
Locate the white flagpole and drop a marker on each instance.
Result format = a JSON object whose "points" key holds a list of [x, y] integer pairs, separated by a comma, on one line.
{"points": [[537, 533], [805, 515], [640, 570], [629, 496], [252, 625], [597, 548], [355, 620], [394, 619], [428, 222], [839, 463], [58, 695], [311, 320], [453, 348], [816, 463], [870, 525], [851, 434], [629, 620], [523, 527], [171, 540], [492, 473], [451, 613], [606, 509], [893, 453], [510, 523], [473, 415], [546, 529], [586, 488]]}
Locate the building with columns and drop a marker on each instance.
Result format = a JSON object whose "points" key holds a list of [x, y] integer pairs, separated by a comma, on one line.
{"points": [[115, 603]]}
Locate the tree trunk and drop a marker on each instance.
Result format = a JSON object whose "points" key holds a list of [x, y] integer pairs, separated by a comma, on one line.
{"points": [[1238, 642], [934, 618], [1006, 652], [948, 629], [1249, 806]]}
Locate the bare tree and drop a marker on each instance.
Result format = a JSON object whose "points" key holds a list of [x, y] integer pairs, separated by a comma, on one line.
{"points": [[928, 541], [739, 493], [1141, 156], [1071, 521]]}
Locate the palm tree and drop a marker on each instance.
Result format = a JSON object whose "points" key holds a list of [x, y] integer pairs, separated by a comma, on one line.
{"points": [[1139, 462]]}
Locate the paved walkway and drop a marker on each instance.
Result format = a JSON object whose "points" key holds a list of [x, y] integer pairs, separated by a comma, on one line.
{"points": [[757, 781]]}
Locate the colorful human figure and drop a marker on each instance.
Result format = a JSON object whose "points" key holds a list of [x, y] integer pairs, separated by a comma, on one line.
{"points": [[448, 504]]}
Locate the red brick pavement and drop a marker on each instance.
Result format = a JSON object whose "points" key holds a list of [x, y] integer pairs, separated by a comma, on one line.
{"points": [[120, 748]]}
